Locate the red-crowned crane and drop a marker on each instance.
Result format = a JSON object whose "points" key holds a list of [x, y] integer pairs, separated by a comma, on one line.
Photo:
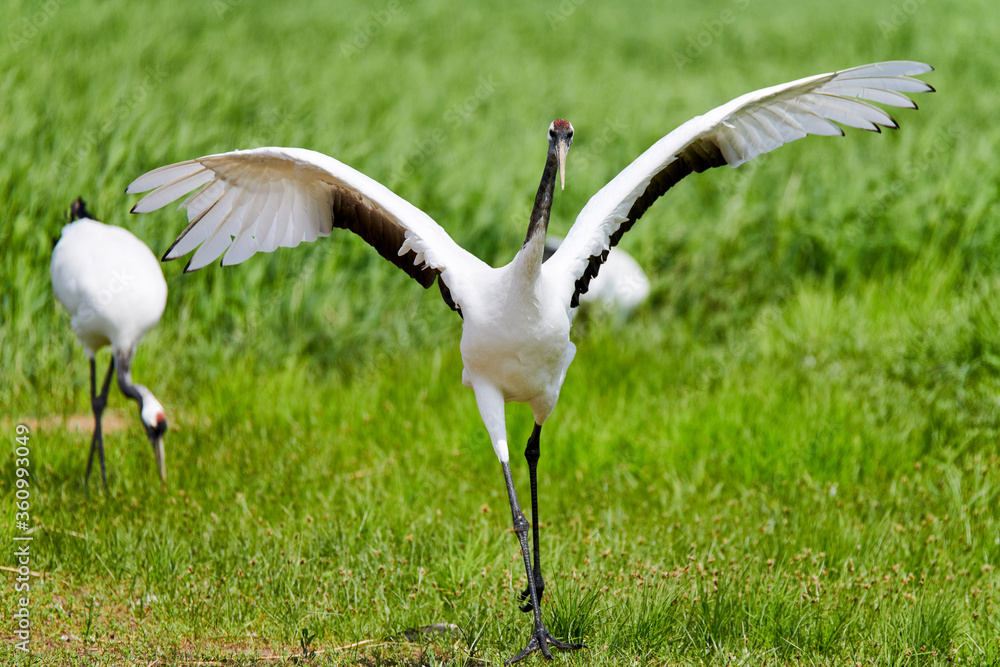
{"points": [[515, 334], [114, 290]]}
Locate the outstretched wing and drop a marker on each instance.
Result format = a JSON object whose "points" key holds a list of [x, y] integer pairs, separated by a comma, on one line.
{"points": [[261, 199], [731, 134]]}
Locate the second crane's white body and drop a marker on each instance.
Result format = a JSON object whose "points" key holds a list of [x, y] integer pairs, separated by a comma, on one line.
{"points": [[110, 283], [621, 286]]}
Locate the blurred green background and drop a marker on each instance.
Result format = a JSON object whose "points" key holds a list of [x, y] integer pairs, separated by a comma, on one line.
{"points": [[813, 381]]}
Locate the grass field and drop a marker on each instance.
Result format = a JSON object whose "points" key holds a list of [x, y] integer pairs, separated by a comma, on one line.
{"points": [[787, 456]]}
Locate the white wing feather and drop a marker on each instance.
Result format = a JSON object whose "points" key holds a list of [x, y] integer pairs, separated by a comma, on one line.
{"points": [[258, 200]]}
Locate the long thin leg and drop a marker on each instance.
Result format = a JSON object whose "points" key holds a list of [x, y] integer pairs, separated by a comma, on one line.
{"points": [[541, 639], [490, 400], [97, 404], [531, 453]]}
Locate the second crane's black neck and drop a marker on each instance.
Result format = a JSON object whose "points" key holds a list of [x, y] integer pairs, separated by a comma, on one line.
{"points": [[539, 223], [123, 366]]}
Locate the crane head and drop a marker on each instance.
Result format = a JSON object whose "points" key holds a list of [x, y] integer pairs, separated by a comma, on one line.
{"points": [[78, 210], [560, 139], [154, 420]]}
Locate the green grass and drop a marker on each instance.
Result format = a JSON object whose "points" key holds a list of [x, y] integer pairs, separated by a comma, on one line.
{"points": [[788, 456]]}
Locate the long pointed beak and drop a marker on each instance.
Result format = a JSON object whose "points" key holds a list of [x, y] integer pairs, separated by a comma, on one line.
{"points": [[561, 149], [161, 462]]}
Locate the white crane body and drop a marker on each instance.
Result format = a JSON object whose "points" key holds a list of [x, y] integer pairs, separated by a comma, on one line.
{"points": [[110, 283], [113, 288], [515, 340]]}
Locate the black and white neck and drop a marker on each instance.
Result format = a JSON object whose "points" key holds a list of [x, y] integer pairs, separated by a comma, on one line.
{"points": [[560, 139], [151, 412]]}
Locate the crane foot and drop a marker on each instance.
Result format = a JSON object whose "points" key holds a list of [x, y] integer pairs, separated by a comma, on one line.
{"points": [[540, 641]]}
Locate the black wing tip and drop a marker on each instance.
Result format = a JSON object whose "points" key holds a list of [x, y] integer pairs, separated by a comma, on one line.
{"points": [[170, 249], [893, 124], [930, 89]]}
